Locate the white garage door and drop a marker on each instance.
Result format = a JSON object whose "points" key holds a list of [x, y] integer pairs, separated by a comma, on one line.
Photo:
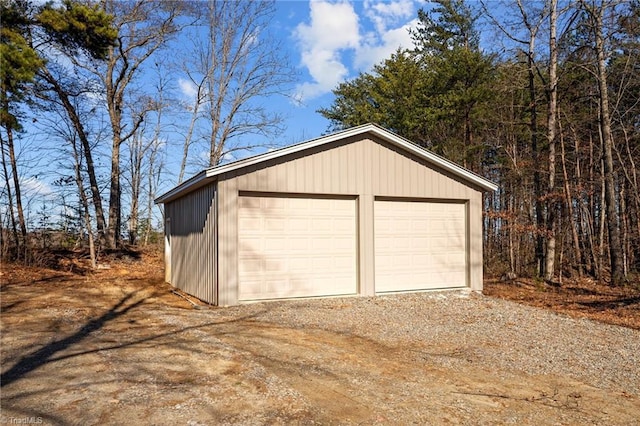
{"points": [[296, 247], [419, 245]]}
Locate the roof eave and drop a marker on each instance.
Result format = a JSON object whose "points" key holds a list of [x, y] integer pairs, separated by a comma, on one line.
{"points": [[212, 172], [183, 187], [468, 175]]}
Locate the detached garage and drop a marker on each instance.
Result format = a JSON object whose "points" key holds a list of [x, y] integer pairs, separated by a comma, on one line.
{"points": [[359, 212]]}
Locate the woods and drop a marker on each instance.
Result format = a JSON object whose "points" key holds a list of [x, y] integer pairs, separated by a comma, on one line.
{"points": [[549, 110], [552, 117]]}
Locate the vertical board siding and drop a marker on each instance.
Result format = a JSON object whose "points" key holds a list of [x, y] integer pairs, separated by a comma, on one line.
{"points": [[193, 243], [359, 167]]}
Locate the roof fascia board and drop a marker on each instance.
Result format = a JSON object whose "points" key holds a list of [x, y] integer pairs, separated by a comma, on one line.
{"points": [[167, 196], [218, 170], [376, 130], [436, 159]]}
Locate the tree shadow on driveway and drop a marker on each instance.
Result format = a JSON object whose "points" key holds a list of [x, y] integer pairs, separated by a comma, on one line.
{"points": [[43, 355]]}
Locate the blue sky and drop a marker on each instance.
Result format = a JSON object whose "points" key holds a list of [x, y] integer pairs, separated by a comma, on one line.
{"points": [[330, 42]]}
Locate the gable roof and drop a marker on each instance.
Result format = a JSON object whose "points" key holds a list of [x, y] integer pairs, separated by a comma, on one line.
{"points": [[210, 174]]}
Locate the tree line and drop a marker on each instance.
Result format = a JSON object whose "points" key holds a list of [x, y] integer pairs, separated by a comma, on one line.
{"points": [[541, 97], [550, 112], [95, 77]]}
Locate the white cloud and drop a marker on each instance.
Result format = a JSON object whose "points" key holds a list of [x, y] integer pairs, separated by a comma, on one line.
{"points": [[187, 88], [33, 186], [380, 46], [335, 28], [386, 13]]}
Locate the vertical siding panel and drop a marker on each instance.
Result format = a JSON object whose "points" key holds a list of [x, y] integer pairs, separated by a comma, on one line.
{"points": [[260, 180], [299, 175], [383, 179], [246, 180], [366, 253], [474, 221], [401, 178], [307, 174], [318, 175], [335, 179], [224, 294], [344, 171], [388, 159], [232, 241], [376, 174], [193, 237], [361, 161], [291, 175], [327, 178], [413, 187], [355, 176], [276, 179]]}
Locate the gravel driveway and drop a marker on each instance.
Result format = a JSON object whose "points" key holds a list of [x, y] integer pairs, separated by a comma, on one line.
{"points": [[129, 351]]}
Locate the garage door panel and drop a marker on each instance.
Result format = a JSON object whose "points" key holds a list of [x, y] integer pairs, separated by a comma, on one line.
{"points": [[296, 247], [419, 245]]}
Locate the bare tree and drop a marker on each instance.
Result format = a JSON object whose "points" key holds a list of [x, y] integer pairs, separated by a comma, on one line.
{"points": [[234, 69], [14, 227], [596, 11], [65, 91], [59, 125], [552, 112], [9, 142], [144, 149], [144, 26], [532, 21]]}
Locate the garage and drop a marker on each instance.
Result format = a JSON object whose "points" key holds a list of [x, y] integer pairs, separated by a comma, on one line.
{"points": [[419, 245], [296, 247], [360, 212]]}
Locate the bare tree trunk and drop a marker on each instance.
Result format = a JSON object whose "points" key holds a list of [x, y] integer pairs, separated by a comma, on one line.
{"points": [[551, 139], [144, 26], [624, 237], [192, 124], [86, 215], [113, 232], [603, 216], [16, 187], [153, 181], [613, 219], [537, 186], [135, 163], [573, 220], [14, 227], [96, 197]]}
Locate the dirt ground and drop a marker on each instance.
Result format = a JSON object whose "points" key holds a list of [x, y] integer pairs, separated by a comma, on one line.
{"points": [[118, 346]]}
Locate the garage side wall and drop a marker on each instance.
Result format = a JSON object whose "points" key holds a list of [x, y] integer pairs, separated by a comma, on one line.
{"points": [[360, 167], [193, 244]]}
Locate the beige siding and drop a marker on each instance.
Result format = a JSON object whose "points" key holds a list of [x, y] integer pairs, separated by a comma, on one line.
{"points": [[371, 169], [192, 239]]}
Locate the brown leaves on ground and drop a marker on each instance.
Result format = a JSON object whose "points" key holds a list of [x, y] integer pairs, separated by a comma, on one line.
{"points": [[578, 298], [140, 271]]}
